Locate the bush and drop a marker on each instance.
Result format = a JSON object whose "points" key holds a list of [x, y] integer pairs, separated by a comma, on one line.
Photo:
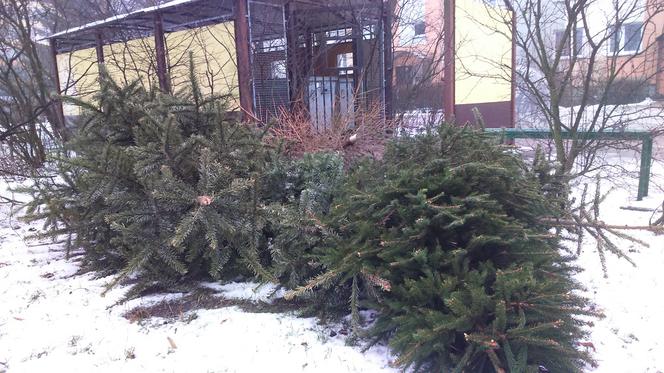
{"points": [[621, 91], [443, 238], [362, 134], [627, 91]]}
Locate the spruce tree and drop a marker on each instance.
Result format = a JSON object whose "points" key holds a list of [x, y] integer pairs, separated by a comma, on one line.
{"points": [[300, 191], [444, 238], [166, 187]]}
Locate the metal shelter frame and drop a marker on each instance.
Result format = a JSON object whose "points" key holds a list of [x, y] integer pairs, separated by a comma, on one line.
{"points": [[180, 15]]}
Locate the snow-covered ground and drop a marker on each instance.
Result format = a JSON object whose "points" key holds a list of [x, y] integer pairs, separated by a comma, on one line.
{"points": [[642, 116], [54, 320], [629, 338]]}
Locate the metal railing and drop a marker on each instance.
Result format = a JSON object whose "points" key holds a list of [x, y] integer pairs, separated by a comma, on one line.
{"points": [[644, 136]]}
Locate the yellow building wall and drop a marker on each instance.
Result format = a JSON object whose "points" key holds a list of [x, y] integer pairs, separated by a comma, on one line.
{"points": [[212, 49], [483, 53], [132, 61], [78, 76]]}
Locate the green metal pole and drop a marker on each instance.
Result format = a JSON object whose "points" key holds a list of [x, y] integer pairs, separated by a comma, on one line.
{"points": [[644, 174]]}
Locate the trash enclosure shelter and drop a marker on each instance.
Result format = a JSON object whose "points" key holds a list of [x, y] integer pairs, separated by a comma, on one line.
{"points": [[327, 58]]}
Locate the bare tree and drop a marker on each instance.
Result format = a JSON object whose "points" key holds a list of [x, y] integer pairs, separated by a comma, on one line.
{"points": [[26, 84], [419, 46], [579, 62], [582, 68], [30, 114]]}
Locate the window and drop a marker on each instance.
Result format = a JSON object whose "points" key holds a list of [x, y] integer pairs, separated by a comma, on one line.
{"points": [[278, 69], [369, 32], [626, 38], [578, 41], [413, 23], [344, 35], [632, 37], [405, 75], [563, 42], [420, 28], [345, 63], [270, 45]]}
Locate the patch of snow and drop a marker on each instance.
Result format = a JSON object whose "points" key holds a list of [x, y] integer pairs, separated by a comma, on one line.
{"points": [[647, 115], [251, 291]]}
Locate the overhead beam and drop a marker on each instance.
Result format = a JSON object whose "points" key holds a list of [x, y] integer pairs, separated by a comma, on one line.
{"points": [[198, 23]]}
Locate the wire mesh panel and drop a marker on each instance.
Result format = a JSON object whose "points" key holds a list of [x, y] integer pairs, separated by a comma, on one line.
{"points": [[331, 100], [322, 57], [267, 32], [343, 63]]}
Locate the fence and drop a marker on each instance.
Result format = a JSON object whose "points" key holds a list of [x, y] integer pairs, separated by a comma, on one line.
{"points": [[644, 136]]}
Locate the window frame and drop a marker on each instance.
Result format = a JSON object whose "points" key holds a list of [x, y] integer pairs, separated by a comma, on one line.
{"points": [[573, 44], [618, 41]]}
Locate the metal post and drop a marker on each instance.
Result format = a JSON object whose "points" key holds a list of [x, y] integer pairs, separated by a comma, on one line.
{"points": [[449, 60], [644, 173], [388, 59], [643, 136], [160, 52], [294, 59], [243, 58], [513, 71], [100, 48], [59, 109]]}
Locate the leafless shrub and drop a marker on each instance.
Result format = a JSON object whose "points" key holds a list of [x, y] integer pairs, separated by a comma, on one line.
{"points": [[357, 135]]}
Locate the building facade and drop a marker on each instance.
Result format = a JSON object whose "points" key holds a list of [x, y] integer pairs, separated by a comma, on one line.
{"points": [[479, 76], [617, 45]]}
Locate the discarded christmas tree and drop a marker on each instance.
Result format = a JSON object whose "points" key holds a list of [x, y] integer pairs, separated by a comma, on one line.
{"points": [[161, 186], [300, 191], [444, 238], [448, 236]]}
